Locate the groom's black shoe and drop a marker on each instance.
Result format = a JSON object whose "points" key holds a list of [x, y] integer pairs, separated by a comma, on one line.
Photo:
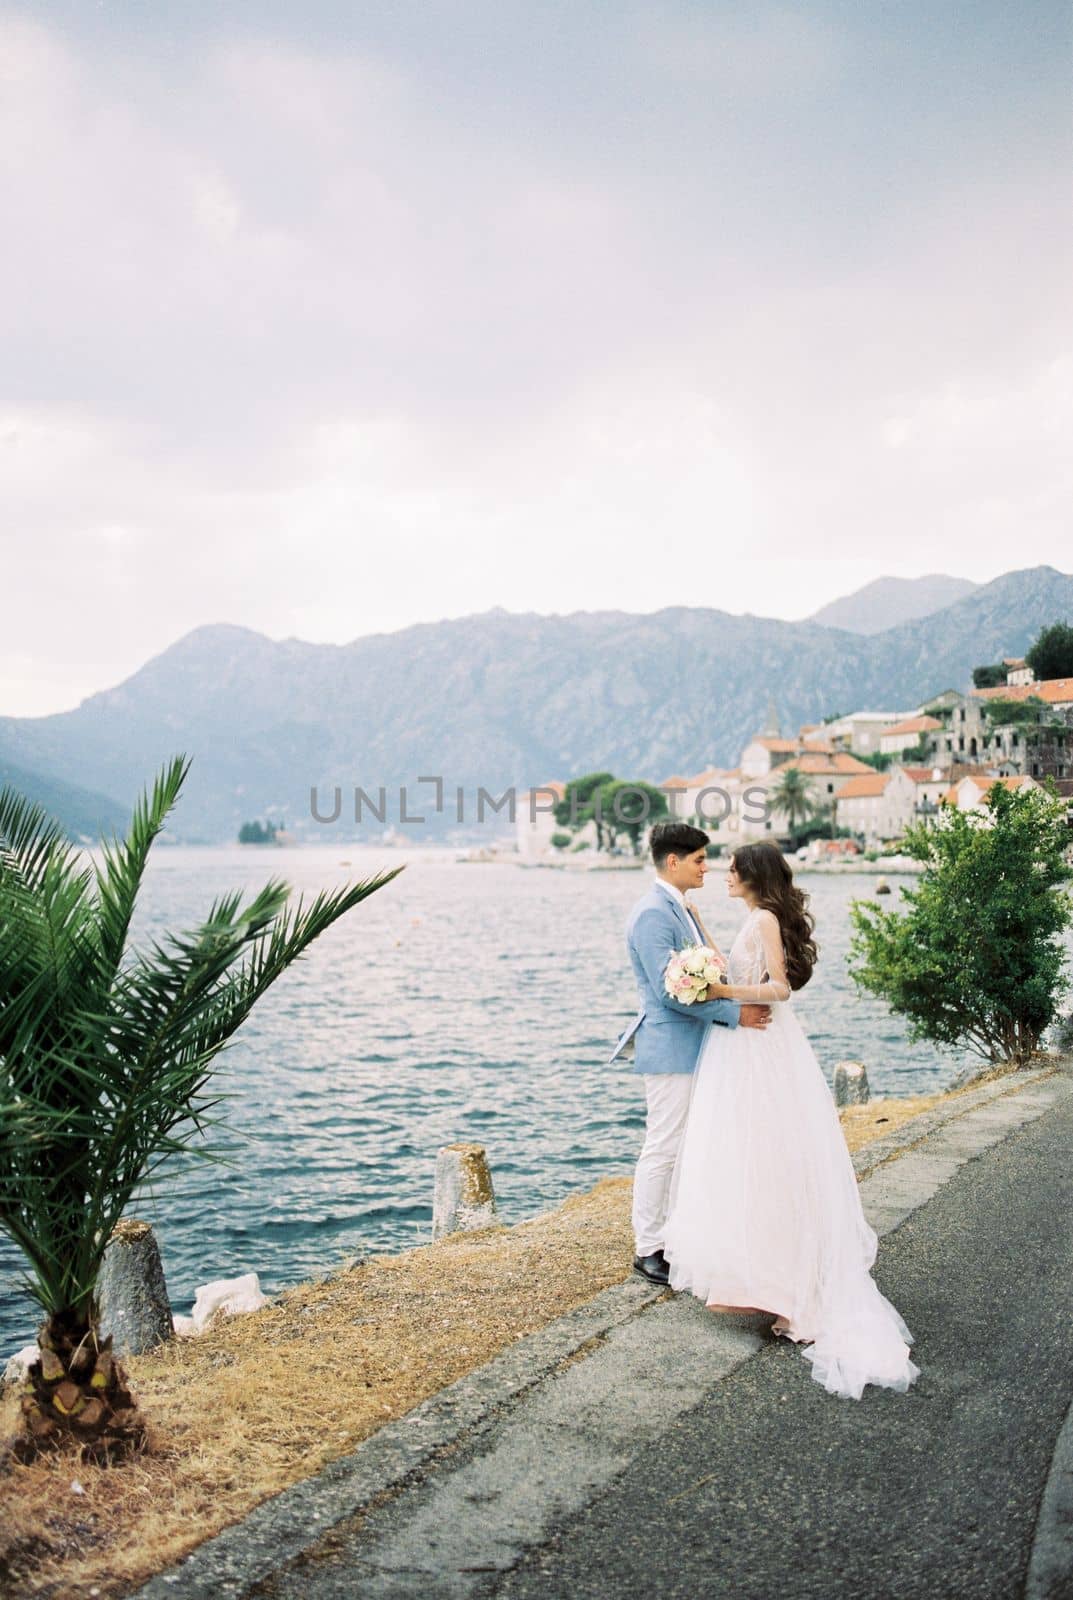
{"points": [[655, 1267]]}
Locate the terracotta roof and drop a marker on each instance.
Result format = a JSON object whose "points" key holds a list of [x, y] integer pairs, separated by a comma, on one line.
{"points": [[1014, 661], [1053, 691], [986, 783], [924, 774], [1019, 781], [848, 763], [838, 765], [792, 747], [914, 725], [864, 787], [675, 783]]}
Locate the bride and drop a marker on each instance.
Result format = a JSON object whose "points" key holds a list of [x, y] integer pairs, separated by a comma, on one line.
{"points": [[765, 1212]]}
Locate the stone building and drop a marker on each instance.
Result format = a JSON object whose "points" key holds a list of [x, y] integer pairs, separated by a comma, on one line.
{"points": [[859, 732], [534, 822], [970, 793], [1034, 740], [862, 807], [908, 735]]}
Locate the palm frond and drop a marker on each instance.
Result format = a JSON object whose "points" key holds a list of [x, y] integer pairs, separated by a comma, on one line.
{"points": [[29, 838], [119, 880], [106, 1055]]}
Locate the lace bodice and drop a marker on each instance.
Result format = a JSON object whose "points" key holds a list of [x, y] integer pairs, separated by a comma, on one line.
{"points": [[745, 963]]}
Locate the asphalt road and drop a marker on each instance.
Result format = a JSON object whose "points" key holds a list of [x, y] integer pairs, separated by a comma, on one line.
{"points": [[676, 1454], [770, 1487]]}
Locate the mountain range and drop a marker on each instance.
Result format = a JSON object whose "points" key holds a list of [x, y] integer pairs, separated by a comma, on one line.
{"points": [[492, 700], [85, 814], [885, 602]]}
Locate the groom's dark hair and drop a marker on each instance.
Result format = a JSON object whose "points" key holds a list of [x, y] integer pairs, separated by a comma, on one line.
{"points": [[675, 839]]}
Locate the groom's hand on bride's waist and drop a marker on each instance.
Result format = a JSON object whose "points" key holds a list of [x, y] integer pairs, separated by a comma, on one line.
{"points": [[754, 1016]]}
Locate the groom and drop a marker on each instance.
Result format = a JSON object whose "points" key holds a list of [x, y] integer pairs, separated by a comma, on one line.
{"points": [[669, 1035]]}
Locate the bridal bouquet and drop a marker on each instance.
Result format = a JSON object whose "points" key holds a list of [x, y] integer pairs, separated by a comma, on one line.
{"points": [[691, 973]]}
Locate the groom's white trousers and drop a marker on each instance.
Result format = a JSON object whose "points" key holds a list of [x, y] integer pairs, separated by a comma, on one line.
{"points": [[667, 1094]]}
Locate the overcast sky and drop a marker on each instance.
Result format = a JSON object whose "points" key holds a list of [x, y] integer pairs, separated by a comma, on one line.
{"points": [[329, 318]]}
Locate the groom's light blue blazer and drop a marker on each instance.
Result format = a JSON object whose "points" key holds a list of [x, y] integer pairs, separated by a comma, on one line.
{"points": [[668, 1035]]}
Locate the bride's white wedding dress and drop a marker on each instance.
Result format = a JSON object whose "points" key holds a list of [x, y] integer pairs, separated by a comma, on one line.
{"points": [[765, 1210]]}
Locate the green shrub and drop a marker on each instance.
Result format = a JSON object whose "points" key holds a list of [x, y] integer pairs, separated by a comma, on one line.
{"points": [[1052, 654], [975, 957]]}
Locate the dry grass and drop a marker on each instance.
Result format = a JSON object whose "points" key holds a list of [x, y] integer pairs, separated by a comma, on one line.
{"points": [[862, 1124], [262, 1401]]}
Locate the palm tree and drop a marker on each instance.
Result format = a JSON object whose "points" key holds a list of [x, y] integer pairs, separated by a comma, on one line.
{"points": [[827, 813], [105, 1058], [793, 796]]}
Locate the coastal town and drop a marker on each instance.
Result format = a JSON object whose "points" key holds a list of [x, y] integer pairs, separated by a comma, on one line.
{"points": [[862, 777]]}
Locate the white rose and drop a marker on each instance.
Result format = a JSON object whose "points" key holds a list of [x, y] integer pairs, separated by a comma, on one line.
{"points": [[694, 962], [711, 973]]}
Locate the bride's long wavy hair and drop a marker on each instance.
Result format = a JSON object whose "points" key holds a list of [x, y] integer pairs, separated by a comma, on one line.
{"points": [[766, 871]]}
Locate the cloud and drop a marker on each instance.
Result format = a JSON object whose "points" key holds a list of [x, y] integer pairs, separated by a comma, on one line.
{"points": [[323, 337], [759, 52]]}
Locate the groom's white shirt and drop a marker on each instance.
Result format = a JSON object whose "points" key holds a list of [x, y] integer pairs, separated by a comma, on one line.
{"points": [[676, 894]]}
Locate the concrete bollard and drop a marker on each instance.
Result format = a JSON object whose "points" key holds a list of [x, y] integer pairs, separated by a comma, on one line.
{"points": [[463, 1199], [851, 1084], [131, 1293]]}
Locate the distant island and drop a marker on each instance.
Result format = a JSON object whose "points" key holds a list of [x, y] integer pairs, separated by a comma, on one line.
{"points": [[262, 833]]}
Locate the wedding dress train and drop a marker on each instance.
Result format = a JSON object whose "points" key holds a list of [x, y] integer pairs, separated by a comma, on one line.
{"points": [[765, 1211]]}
